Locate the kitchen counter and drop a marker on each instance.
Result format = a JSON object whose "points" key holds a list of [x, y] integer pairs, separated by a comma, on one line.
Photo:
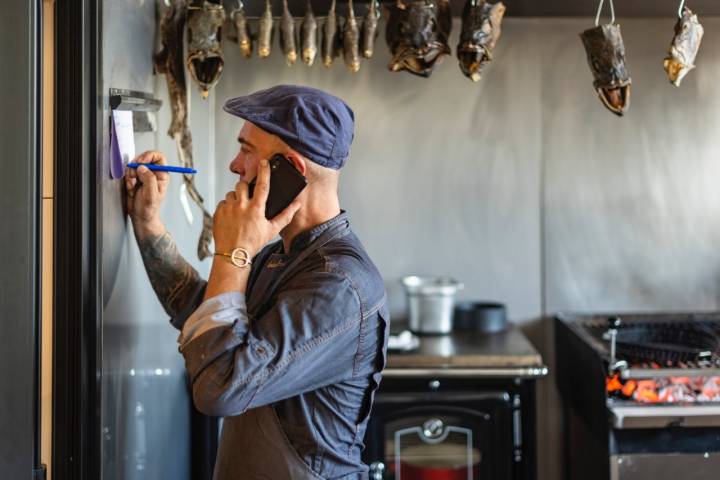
{"points": [[469, 354]]}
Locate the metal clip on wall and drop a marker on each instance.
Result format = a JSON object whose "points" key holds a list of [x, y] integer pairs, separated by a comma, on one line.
{"points": [[143, 105]]}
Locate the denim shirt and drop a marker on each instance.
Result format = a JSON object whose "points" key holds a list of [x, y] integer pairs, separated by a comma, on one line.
{"points": [[309, 339]]}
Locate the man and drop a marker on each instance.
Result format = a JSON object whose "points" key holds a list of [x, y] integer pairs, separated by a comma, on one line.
{"points": [[288, 348]]}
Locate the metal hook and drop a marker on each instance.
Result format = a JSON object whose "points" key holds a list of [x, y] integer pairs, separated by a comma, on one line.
{"points": [[680, 9], [612, 12], [237, 9]]}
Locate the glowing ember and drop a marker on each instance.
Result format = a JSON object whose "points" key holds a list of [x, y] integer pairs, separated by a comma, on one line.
{"points": [[665, 390], [613, 384]]}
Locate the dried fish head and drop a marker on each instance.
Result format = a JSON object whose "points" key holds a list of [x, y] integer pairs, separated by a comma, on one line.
{"points": [[481, 27], [169, 61], [330, 40], [351, 39], [684, 47], [205, 59], [370, 30], [606, 57], [308, 32], [265, 31], [287, 35], [417, 34], [243, 32]]}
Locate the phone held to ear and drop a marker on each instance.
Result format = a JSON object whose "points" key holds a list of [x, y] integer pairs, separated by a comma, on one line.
{"points": [[286, 183]]}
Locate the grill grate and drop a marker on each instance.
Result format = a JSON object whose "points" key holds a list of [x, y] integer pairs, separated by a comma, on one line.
{"points": [[667, 343]]}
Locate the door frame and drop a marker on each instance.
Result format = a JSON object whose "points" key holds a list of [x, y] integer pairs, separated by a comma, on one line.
{"points": [[76, 347]]}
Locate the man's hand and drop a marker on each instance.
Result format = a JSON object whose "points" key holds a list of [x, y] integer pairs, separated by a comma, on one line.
{"points": [[146, 190], [240, 221], [175, 281]]}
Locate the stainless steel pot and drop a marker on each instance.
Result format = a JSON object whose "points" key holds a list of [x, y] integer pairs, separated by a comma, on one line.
{"points": [[430, 303]]}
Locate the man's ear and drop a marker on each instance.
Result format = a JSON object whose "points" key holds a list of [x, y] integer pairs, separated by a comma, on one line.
{"points": [[298, 162]]}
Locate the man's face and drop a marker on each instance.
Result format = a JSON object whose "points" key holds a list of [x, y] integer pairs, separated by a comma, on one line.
{"points": [[255, 144]]}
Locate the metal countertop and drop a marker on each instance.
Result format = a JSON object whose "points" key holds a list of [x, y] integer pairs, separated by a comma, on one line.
{"points": [[469, 354]]}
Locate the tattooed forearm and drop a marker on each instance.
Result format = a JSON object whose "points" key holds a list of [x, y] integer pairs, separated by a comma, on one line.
{"points": [[174, 280]]}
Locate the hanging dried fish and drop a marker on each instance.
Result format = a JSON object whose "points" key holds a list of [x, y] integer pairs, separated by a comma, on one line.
{"points": [[243, 31], [169, 61], [417, 34], [684, 47], [287, 35], [369, 30], [480, 32], [606, 56], [351, 39], [205, 59], [330, 37], [308, 34], [265, 33]]}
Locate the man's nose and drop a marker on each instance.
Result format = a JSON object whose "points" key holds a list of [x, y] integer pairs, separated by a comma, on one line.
{"points": [[236, 166]]}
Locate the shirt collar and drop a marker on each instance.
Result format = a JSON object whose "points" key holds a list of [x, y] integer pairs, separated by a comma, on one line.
{"points": [[303, 239]]}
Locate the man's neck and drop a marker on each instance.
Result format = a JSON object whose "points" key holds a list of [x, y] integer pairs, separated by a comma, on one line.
{"points": [[311, 215]]}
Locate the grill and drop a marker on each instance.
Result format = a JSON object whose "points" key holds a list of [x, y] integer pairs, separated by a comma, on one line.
{"points": [[642, 390], [689, 344]]}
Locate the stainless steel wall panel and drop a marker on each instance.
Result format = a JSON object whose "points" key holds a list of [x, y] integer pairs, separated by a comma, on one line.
{"points": [[631, 203], [145, 404]]}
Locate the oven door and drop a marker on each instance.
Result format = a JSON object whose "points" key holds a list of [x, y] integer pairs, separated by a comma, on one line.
{"points": [[443, 436]]}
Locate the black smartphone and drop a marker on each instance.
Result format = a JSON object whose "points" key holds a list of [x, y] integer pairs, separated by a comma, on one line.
{"points": [[286, 183]]}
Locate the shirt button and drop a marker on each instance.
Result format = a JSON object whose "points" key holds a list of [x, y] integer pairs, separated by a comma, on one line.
{"points": [[260, 350]]}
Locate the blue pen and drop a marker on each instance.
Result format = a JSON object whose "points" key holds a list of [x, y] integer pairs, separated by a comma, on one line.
{"points": [[162, 168]]}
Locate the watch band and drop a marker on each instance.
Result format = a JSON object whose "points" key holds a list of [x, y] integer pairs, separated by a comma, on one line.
{"points": [[239, 257]]}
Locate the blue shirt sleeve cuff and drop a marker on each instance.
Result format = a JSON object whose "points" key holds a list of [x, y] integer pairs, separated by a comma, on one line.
{"points": [[219, 311]]}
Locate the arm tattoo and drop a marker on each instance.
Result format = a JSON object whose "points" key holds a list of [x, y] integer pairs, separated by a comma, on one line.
{"points": [[174, 280]]}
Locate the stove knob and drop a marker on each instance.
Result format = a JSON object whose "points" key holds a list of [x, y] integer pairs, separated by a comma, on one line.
{"points": [[376, 470], [433, 428]]}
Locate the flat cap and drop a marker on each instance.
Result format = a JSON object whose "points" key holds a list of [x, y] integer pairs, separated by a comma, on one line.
{"points": [[314, 123]]}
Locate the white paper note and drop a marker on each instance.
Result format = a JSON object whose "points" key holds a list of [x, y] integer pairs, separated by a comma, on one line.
{"points": [[122, 142]]}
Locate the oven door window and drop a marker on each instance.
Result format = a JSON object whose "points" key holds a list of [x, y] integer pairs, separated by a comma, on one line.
{"points": [[447, 442]]}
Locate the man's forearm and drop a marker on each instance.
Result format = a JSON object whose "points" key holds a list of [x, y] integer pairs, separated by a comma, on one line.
{"points": [[174, 280], [226, 277]]}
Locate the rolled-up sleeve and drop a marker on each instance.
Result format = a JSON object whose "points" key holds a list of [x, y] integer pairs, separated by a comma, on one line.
{"points": [[309, 338], [219, 311]]}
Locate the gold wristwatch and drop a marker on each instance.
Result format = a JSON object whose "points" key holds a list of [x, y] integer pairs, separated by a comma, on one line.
{"points": [[239, 257]]}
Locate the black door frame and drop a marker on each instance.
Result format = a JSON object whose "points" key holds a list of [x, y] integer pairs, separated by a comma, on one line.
{"points": [[76, 346], [20, 260]]}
